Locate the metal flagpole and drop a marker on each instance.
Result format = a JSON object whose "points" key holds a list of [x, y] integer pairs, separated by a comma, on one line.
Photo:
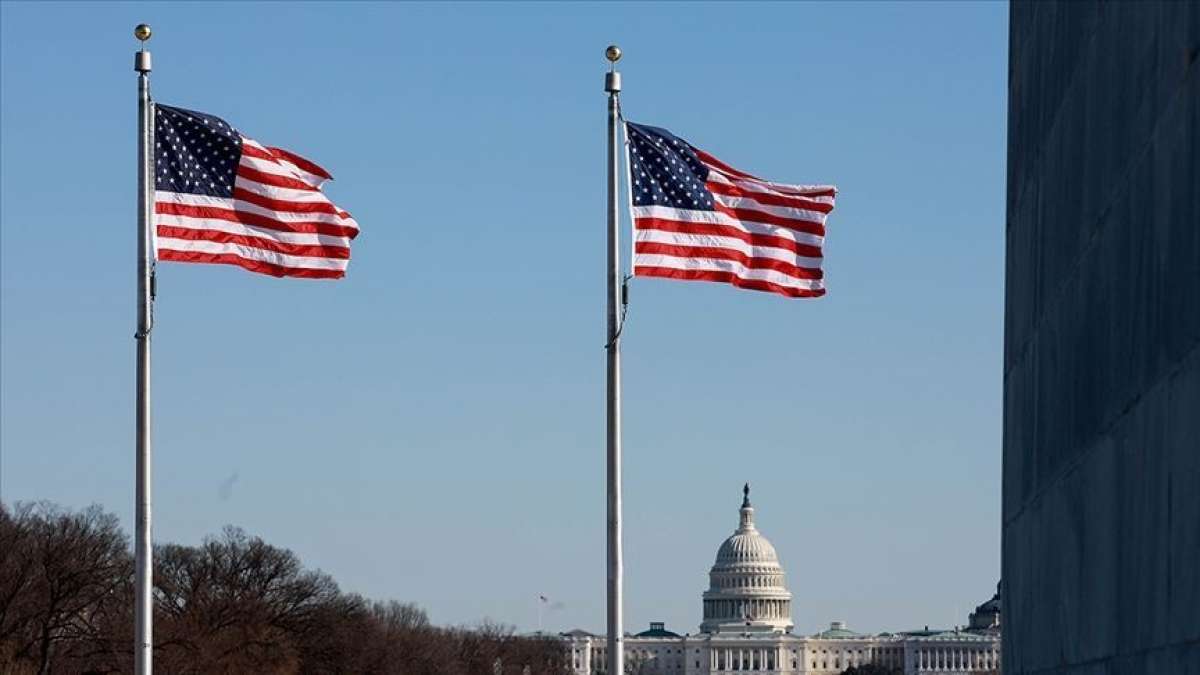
{"points": [[144, 575], [616, 645]]}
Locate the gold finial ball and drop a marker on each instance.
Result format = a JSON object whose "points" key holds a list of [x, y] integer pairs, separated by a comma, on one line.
{"points": [[613, 53], [142, 32]]}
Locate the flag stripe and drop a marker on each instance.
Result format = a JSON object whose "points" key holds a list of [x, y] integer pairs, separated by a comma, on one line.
{"points": [[267, 166], [231, 227], [724, 265], [731, 243], [641, 213], [301, 163], [801, 215], [251, 253], [648, 226], [728, 278], [722, 168], [284, 205], [263, 243], [238, 212], [292, 164], [814, 194], [749, 262], [240, 205], [757, 216], [259, 266], [768, 198], [281, 193], [250, 173]]}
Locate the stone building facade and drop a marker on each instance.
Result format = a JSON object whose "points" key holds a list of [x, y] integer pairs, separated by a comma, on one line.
{"points": [[1101, 478]]}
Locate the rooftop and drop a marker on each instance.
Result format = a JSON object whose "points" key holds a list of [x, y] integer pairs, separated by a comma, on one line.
{"points": [[838, 630], [657, 629]]}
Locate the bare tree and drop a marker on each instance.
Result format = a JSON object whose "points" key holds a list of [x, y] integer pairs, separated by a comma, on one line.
{"points": [[16, 579], [234, 604], [60, 577]]}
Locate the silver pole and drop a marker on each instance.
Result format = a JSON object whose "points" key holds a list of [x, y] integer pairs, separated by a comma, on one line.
{"points": [[616, 633], [143, 551]]}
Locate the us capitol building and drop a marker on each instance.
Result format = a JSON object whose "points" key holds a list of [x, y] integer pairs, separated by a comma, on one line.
{"points": [[747, 626]]}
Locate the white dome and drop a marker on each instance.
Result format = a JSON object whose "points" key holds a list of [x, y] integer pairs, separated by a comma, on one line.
{"points": [[746, 589], [746, 547]]}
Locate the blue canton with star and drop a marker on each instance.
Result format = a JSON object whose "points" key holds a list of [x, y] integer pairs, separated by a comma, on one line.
{"points": [[194, 153], [665, 170]]}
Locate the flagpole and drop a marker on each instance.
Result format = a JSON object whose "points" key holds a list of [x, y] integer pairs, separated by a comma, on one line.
{"points": [[616, 646], [143, 551]]}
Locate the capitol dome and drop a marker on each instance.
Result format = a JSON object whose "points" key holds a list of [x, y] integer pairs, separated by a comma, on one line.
{"points": [[746, 589], [746, 547]]}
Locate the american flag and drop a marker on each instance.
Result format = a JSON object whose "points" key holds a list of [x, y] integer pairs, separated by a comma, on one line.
{"points": [[221, 197], [697, 218]]}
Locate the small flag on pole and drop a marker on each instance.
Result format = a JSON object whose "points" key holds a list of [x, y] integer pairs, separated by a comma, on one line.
{"points": [[697, 218], [221, 197]]}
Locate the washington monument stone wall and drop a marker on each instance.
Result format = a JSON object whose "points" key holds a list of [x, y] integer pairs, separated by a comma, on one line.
{"points": [[1101, 517]]}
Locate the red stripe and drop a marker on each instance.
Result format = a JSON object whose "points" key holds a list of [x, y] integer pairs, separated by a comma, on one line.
{"points": [[252, 265], [284, 205], [301, 162], [713, 229], [273, 154], [726, 277], [766, 198], [729, 170], [756, 216], [247, 218], [255, 151], [722, 166], [276, 180], [307, 250], [717, 253]]}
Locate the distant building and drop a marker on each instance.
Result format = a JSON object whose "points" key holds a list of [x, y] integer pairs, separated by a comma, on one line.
{"points": [[747, 626]]}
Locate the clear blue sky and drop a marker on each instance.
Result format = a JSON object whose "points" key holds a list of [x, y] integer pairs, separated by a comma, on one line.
{"points": [[431, 428]]}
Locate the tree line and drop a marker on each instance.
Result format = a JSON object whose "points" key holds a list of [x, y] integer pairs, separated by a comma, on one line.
{"points": [[233, 604]]}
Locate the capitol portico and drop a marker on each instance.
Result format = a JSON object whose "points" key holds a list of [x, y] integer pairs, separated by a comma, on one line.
{"points": [[747, 626]]}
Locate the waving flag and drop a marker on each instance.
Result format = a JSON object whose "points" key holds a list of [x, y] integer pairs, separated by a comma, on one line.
{"points": [[697, 218], [221, 197]]}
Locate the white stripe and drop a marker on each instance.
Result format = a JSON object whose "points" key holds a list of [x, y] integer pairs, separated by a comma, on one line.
{"points": [[310, 178], [730, 243], [296, 172], [271, 166], [781, 211], [255, 144], [717, 176], [283, 168], [304, 238], [276, 192], [736, 268], [169, 197], [294, 217], [251, 253], [755, 192], [239, 205], [689, 216]]}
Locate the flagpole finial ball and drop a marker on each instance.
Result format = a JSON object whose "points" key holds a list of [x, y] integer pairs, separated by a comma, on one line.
{"points": [[142, 32], [613, 53]]}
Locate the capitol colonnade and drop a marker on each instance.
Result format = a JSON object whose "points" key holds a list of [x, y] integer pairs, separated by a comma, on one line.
{"points": [[747, 627], [957, 659]]}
